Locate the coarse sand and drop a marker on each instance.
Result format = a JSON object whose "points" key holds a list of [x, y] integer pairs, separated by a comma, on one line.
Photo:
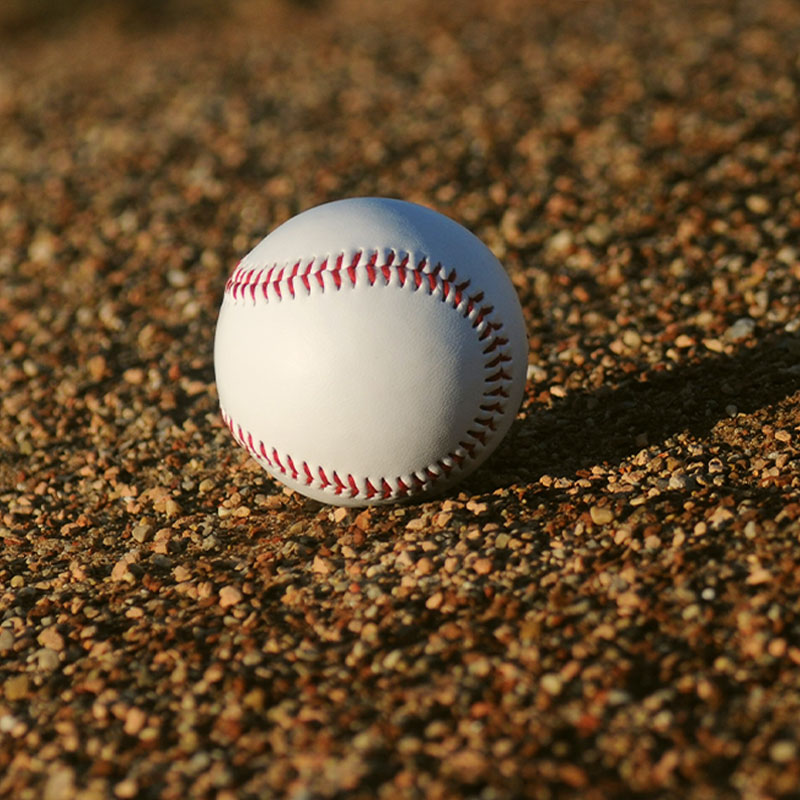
{"points": [[610, 608]]}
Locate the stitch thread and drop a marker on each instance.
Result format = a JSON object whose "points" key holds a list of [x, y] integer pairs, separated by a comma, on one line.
{"points": [[246, 283]]}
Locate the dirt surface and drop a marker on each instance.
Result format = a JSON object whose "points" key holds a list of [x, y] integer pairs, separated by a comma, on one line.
{"points": [[610, 608]]}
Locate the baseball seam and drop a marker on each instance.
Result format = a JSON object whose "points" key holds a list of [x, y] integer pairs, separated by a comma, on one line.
{"points": [[281, 282]]}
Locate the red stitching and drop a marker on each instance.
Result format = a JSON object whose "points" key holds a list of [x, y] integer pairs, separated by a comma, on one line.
{"points": [[502, 358], [415, 483], [246, 282], [255, 285], [338, 483], [479, 435], [498, 341], [500, 375], [468, 447], [371, 269]]}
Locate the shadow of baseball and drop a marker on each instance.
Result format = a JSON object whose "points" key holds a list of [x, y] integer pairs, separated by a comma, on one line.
{"points": [[603, 427]]}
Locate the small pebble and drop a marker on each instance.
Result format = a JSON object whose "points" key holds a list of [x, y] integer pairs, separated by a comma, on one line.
{"points": [[783, 751], [6, 640], [126, 789], [741, 329], [601, 515], [47, 659], [229, 596], [16, 688], [552, 684], [758, 204], [135, 720], [51, 638], [483, 566], [142, 531]]}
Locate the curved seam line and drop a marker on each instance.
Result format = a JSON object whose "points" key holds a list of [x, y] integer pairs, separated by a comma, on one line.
{"points": [[248, 280]]}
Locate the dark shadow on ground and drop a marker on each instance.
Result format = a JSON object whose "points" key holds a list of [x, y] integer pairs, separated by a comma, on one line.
{"points": [[608, 425]]}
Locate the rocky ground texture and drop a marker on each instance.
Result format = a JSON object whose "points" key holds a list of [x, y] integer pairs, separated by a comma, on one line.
{"points": [[609, 609]]}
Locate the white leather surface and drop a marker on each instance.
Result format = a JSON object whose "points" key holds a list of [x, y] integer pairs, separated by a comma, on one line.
{"points": [[378, 382]]}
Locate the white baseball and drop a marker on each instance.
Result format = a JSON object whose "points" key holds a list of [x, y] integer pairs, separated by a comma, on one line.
{"points": [[370, 350]]}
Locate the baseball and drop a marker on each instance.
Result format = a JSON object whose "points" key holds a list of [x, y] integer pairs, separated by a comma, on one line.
{"points": [[368, 351]]}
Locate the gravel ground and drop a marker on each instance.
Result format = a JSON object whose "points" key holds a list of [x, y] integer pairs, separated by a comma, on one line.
{"points": [[609, 609]]}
